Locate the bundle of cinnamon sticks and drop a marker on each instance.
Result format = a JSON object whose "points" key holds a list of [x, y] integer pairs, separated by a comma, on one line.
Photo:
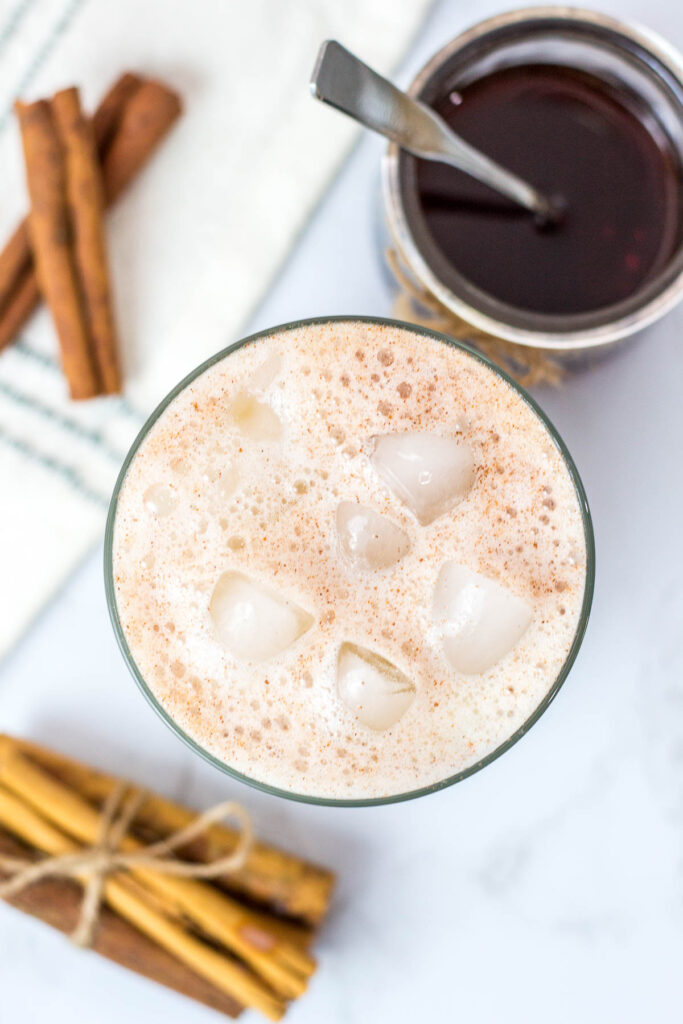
{"points": [[74, 168], [239, 941]]}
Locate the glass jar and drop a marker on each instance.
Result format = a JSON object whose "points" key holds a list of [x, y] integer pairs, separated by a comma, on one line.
{"points": [[637, 63]]}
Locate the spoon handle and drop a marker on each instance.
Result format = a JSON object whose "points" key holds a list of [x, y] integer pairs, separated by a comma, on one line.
{"points": [[345, 82]]}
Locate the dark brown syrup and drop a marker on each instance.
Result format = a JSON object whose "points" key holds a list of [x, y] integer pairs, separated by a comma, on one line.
{"points": [[571, 136]]}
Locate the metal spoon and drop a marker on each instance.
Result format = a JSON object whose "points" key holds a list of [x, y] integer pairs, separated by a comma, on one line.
{"points": [[342, 80]]}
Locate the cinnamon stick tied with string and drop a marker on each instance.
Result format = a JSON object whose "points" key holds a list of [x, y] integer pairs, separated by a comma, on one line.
{"points": [[271, 878], [58, 901], [239, 952], [128, 125], [130, 901]]}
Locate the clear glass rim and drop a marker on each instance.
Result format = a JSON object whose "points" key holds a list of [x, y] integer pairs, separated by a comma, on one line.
{"points": [[303, 797]]}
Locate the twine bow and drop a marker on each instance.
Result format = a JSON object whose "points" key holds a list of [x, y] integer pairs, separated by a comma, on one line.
{"points": [[93, 864]]}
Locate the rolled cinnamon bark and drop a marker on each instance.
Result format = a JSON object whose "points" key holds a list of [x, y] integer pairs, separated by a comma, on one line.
{"points": [[105, 120], [125, 897], [85, 200], [144, 121], [283, 966], [57, 902], [19, 292], [16, 259], [50, 233], [23, 300], [276, 879]]}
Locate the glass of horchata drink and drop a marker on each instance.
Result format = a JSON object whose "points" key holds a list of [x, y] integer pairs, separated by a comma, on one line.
{"points": [[349, 561]]}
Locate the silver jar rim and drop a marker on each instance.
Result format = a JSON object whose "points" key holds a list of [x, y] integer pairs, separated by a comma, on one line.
{"points": [[539, 331]]}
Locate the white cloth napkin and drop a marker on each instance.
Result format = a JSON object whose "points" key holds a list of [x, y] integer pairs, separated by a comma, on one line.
{"points": [[193, 244]]}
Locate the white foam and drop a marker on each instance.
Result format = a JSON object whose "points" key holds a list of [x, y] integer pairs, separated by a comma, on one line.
{"points": [[260, 454]]}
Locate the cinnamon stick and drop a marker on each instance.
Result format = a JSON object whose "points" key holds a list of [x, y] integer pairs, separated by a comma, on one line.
{"points": [[50, 234], [57, 902], [124, 896], [85, 201], [271, 877], [144, 121], [145, 128], [105, 120], [21, 303], [285, 967], [16, 260]]}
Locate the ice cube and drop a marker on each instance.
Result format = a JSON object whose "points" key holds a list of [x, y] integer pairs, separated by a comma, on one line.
{"points": [[252, 621], [429, 473], [264, 375], [369, 540], [222, 479], [480, 621], [377, 692], [256, 420], [160, 500]]}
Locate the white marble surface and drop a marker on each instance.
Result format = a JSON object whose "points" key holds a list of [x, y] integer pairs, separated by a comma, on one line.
{"points": [[547, 888]]}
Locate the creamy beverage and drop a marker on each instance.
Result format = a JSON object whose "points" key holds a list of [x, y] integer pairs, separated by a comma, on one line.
{"points": [[349, 560]]}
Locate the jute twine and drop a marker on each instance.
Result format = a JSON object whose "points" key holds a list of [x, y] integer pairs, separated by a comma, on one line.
{"points": [[530, 367], [93, 864]]}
